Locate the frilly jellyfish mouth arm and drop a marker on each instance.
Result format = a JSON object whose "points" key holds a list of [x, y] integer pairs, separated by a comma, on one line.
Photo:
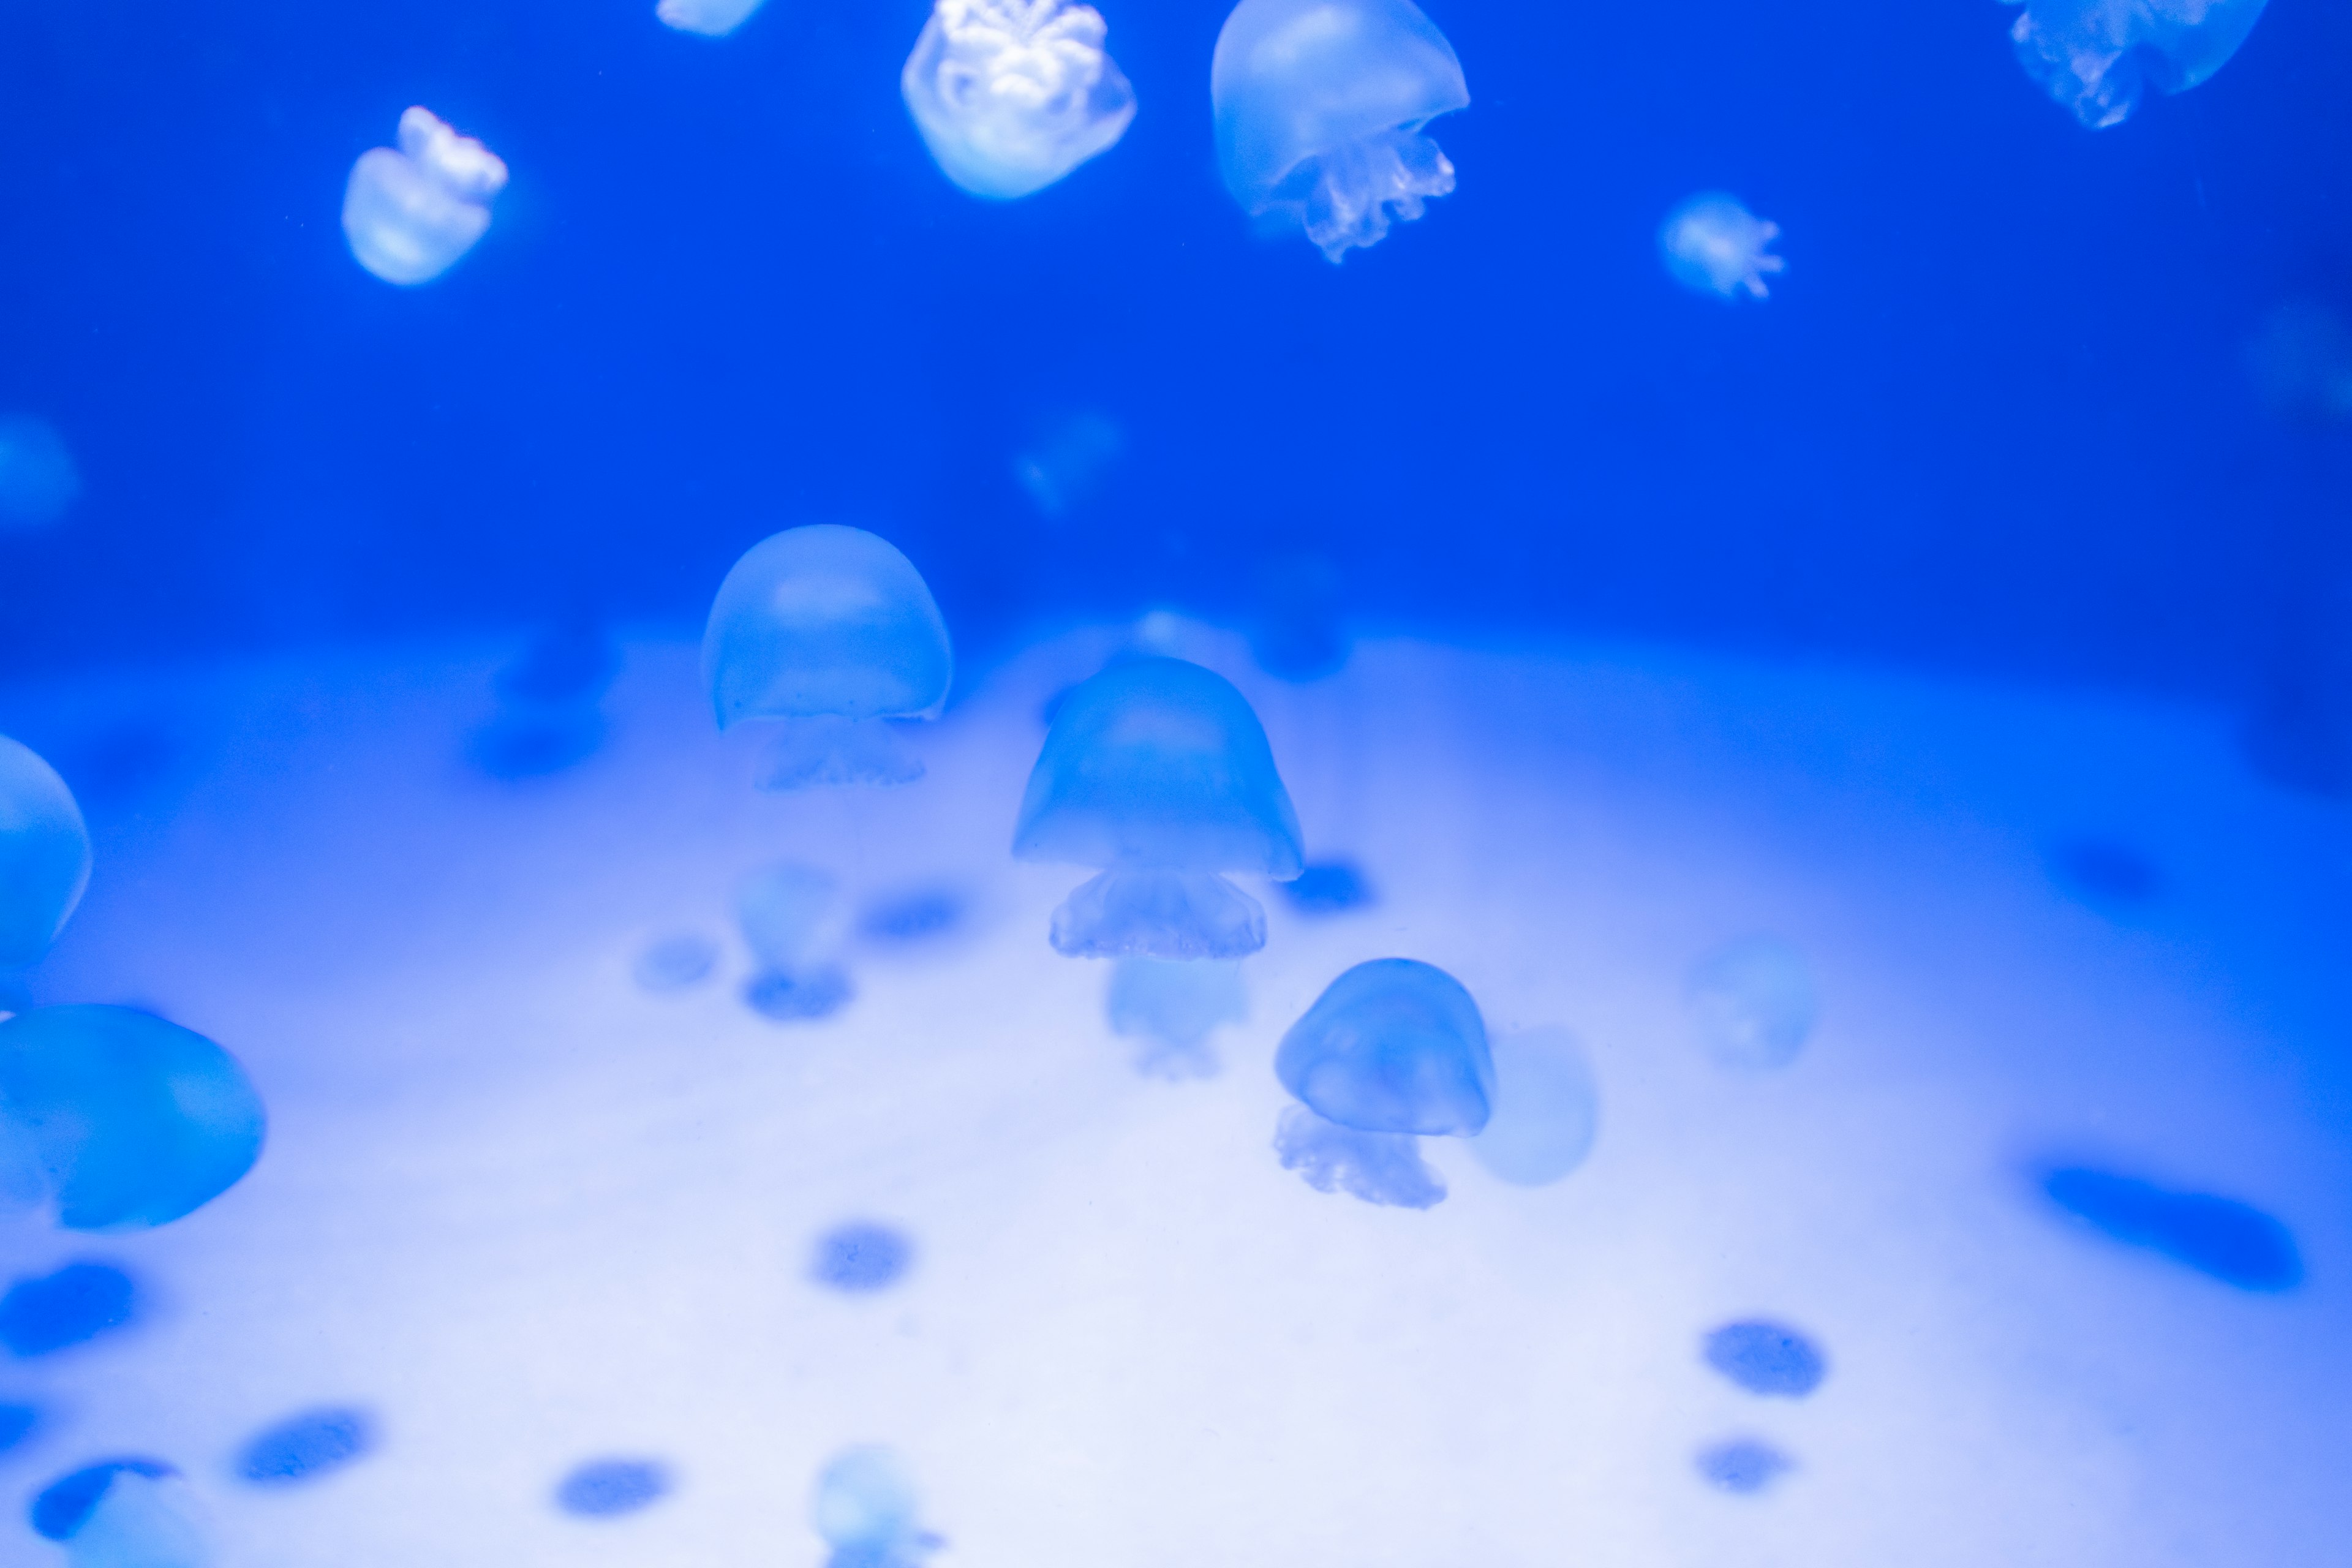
{"points": [[830, 749], [1012, 95], [1159, 914], [1359, 190], [1384, 1168]]}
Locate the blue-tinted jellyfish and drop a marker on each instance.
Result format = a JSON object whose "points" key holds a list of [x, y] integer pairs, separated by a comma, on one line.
{"points": [[1295, 631], [1767, 1358], [131, 1120], [1547, 1109], [71, 1307], [1173, 1005], [17, 1423], [712, 18], [2096, 58], [1393, 1050], [307, 1446], [1714, 244], [1066, 464], [38, 480], [912, 915], [132, 1513], [1754, 1003], [789, 917], [410, 213], [865, 1508], [44, 855], [2300, 360], [860, 1257], [1329, 888], [1157, 772], [827, 631], [1011, 95], [2227, 1240], [1319, 107], [675, 962], [1742, 1466], [606, 1488]]}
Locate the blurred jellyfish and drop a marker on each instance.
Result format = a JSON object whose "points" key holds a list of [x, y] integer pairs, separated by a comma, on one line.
{"points": [[2300, 358], [1157, 772], [38, 481], [1173, 1005], [828, 631], [1715, 246], [129, 1121], [1064, 466], [1319, 107], [865, 1508], [712, 18], [1393, 1050], [1545, 1109], [44, 855], [1011, 95], [1296, 629], [123, 1513], [411, 213], [1754, 1003], [2097, 56], [791, 920]]}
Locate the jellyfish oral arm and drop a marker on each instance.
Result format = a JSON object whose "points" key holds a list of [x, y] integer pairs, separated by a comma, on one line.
{"points": [[1159, 914], [1356, 191]]}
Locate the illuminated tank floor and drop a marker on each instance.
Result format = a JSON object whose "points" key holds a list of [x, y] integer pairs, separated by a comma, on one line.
{"points": [[529, 1213]]}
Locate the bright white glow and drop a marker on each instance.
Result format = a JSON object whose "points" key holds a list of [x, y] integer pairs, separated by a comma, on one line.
{"points": [[712, 18], [1011, 95], [1715, 246], [411, 213], [2098, 56]]}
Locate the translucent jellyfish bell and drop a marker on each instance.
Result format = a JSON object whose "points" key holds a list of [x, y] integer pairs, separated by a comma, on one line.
{"points": [[1754, 1003], [1157, 772], [828, 631], [1546, 1110], [44, 855], [411, 213], [38, 481], [1319, 107], [2097, 58], [1715, 246], [712, 18], [1011, 95], [865, 1508]]}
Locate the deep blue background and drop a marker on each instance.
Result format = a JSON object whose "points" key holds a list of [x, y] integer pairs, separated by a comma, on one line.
{"points": [[1996, 416]]}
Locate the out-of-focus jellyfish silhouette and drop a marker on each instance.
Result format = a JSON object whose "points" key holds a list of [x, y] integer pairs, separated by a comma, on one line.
{"points": [[132, 1513], [1011, 95], [912, 915], [860, 1257], [675, 962], [1157, 772], [1766, 1358], [410, 213], [1062, 468], [38, 481], [828, 632], [1754, 1003], [2096, 58], [1715, 246], [1329, 888], [1173, 1005], [2300, 359], [2105, 871], [865, 1508], [2227, 1240], [606, 1488], [1546, 1111], [71, 1307], [1296, 630], [130, 1120], [549, 715], [789, 914], [1742, 1466], [712, 18], [1319, 108], [1392, 1052], [18, 1422], [44, 855], [307, 1446]]}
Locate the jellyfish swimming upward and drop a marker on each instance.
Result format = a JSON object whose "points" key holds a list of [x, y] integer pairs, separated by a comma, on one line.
{"points": [[410, 213], [1157, 771], [827, 632], [44, 855], [2098, 57], [1319, 106], [1011, 95], [1714, 244]]}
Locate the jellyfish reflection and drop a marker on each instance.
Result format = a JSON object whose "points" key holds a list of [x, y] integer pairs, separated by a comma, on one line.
{"points": [[2097, 58], [1715, 246], [409, 214], [1011, 95]]}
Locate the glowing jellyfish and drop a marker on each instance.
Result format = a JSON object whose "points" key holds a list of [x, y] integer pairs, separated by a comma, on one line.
{"points": [[411, 213], [1754, 1003], [1011, 95], [1063, 468], [128, 1119], [1392, 1052], [1174, 1005], [712, 18], [1319, 107], [1715, 246], [865, 1508], [44, 855], [1157, 772], [1545, 1109], [2097, 58], [827, 631], [123, 1513], [38, 481]]}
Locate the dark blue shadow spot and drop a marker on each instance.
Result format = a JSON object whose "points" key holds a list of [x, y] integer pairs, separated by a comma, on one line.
{"points": [[603, 1488], [16, 1423], [861, 1257], [1328, 889], [1765, 1357], [65, 1503], [77, 1303], [911, 916], [305, 1446], [2101, 871], [2235, 1243], [531, 745], [792, 998], [1742, 1466], [569, 663]]}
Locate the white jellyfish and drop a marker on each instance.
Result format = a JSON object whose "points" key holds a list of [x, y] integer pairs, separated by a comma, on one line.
{"points": [[2098, 56], [712, 18], [1011, 95], [38, 482], [1319, 108], [1715, 246], [411, 213]]}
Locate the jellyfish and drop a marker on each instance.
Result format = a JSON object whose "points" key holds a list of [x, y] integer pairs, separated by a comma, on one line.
{"points": [[44, 855], [1064, 466], [1174, 1005], [827, 631], [1319, 107], [605, 1489], [712, 18], [865, 1508], [411, 213], [38, 481], [132, 1513], [128, 1119], [1712, 244], [1546, 1110], [1754, 1003], [2097, 58], [1157, 772], [1011, 95], [307, 1446], [790, 919], [1393, 1050]]}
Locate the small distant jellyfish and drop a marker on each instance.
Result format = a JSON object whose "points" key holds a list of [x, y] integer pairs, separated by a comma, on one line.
{"points": [[1319, 108], [123, 1513], [1174, 1005], [1011, 95], [38, 481], [307, 1447], [865, 1508], [710, 19], [677, 963], [129, 1119], [1715, 246], [2097, 58], [44, 855], [1329, 888], [1546, 1110], [860, 1257], [1065, 465], [75, 1305], [1754, 1004], [1766, 1358], [1392, 1052], [788, 918], [606, 1488], [1742, 1466], [1157, 772], [410, 213], [828, 632]]}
